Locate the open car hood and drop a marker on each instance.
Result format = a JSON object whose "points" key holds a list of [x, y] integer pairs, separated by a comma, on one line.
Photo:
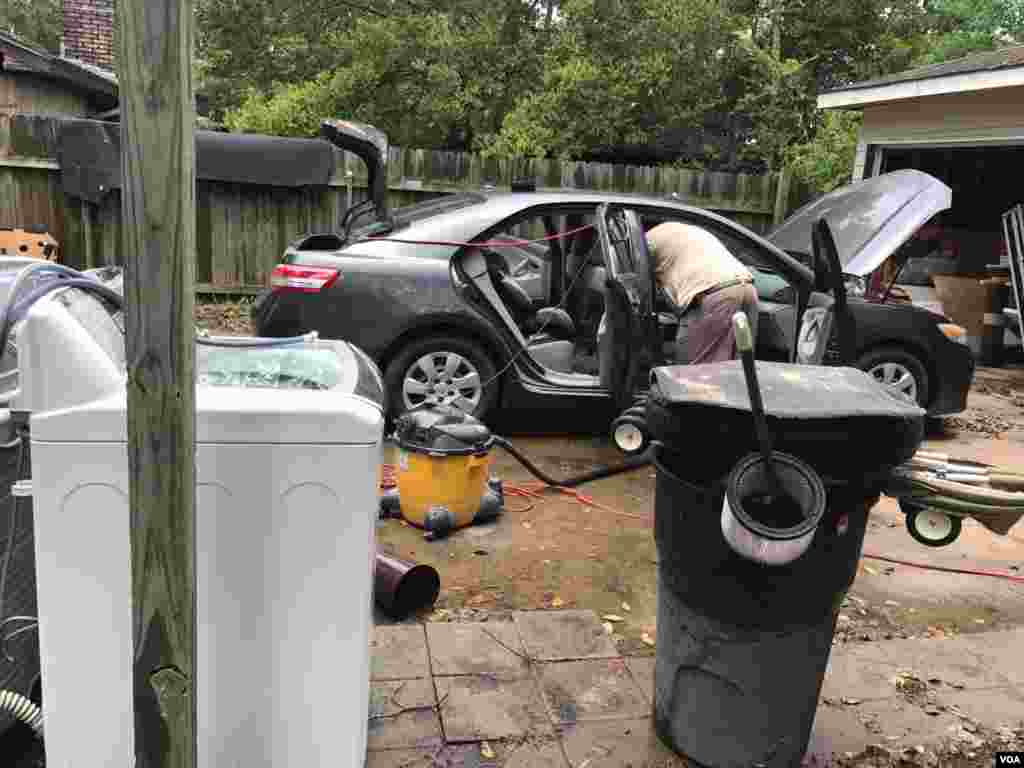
{"points": [[369, 145], [869, 219]]}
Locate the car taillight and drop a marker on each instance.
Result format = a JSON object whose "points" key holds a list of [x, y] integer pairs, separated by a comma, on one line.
{"points": [[291, 277]]}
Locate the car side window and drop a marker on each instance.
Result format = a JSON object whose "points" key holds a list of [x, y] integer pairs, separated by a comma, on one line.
{"points": [[534, 264]]}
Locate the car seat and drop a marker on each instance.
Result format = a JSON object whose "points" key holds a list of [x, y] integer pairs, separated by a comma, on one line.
{"points": [[586, 295], [549, 331]]}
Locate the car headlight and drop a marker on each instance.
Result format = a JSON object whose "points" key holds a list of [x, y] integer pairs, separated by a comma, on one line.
{"points": [[954, 332]]}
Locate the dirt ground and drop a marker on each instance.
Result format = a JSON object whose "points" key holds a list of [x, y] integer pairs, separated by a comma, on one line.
{"points": [[597, 550]]}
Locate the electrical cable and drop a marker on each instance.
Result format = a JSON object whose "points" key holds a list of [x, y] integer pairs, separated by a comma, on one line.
{"points": [[945, 569]]}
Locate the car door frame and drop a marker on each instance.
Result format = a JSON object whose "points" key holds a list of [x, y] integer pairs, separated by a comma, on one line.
{"points": [[633, 281], [532, 374], [720, 225]]}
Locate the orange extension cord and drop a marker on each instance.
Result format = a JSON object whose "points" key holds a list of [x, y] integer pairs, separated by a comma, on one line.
{"points": [[535, 492]]}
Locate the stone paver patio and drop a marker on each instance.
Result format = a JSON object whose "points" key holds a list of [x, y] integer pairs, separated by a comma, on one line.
{"points": [[548, 690]]}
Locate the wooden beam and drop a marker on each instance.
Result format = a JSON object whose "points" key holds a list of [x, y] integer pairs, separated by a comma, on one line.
{"points": [[158, 214], [781, 198]]}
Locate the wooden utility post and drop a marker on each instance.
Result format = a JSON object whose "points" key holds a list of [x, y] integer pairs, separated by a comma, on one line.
{"points": [[158, 210]]}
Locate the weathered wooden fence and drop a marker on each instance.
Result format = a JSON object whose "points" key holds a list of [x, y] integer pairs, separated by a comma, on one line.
{"points": [[243, 229]]}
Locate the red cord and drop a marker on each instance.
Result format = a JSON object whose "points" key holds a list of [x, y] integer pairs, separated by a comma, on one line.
{"points": [[944, 569], [513, 243], [535, 491]]}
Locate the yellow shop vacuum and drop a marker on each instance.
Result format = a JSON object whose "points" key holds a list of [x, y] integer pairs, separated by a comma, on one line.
{"points": [[442, 475]]}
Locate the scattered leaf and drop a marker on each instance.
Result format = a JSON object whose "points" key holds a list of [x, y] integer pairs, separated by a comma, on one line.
{"points": [[979, 621], [646, 639], [557, 602], [892, 603], [870, 570], [609, 628], [485, 751], [850, 702], [626, 608], [933, 710], [612, 617]]}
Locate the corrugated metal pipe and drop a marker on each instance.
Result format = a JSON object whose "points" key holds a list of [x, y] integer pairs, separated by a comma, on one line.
{"points": [[23, 709]]}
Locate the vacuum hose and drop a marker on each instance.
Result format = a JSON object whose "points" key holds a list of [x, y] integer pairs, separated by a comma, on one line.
{"points": [[629, 465], [23, 709]]}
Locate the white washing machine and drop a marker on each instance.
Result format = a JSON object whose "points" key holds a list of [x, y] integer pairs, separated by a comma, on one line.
{"points": [[288, 445]]}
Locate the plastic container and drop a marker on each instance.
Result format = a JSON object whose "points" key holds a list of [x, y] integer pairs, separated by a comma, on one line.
{"points": [[443, 467]]}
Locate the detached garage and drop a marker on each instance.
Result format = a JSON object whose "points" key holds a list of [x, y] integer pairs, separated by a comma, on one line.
{"points": [[963, 122]]}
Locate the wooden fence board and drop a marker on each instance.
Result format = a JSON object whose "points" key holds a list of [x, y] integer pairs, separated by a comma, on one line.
{"points": [[242, 230]]}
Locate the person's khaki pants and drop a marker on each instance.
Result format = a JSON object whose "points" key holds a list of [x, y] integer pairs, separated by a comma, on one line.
{"points": [[711, 337]]}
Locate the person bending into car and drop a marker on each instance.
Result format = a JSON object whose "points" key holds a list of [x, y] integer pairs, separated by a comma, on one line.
{"points": [[706, 284]]}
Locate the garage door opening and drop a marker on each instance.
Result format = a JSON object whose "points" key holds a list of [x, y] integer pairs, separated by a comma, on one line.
{"points": [[966, 239]]}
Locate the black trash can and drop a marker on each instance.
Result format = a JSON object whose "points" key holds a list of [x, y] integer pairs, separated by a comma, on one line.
{"points": [[742, 646]]}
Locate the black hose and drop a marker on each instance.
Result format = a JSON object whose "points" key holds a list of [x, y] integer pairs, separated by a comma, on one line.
{"points": [[637, 462]]}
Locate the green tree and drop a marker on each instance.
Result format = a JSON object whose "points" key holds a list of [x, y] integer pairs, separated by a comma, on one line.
{"points": [[35, 21], [961, 27], [431, 78], [615, 71], [826, 160]]}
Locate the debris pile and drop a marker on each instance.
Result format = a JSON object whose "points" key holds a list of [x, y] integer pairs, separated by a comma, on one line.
{"points": [[968, 745], [224, 318]]}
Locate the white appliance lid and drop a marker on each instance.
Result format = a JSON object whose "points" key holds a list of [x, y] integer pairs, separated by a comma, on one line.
{"points": [[229, 415]]}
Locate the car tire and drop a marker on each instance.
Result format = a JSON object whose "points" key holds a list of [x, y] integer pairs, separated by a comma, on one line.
{"points": [[419, 376], [890, 365]]}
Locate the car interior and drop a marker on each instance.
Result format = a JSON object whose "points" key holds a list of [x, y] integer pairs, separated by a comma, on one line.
{"points": [[552, 294]]}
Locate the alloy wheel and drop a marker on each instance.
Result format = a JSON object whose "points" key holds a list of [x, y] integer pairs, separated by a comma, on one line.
{"points": [[442, 378], [897, 377]]}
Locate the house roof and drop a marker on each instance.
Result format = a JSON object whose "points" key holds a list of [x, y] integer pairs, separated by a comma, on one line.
{"points": [[16, 55], [978, 71]]}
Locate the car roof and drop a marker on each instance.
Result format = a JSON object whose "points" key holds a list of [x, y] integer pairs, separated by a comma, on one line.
{"points": [[495, 207]]}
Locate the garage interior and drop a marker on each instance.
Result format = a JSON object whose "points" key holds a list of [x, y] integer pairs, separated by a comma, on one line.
{"points": [[986, 182]]}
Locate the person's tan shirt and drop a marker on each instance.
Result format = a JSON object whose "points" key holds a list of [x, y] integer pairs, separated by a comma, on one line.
{"points": [[689, 260]]}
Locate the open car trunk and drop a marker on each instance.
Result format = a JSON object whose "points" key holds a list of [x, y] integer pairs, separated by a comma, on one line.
{"points": [[369, 145]]}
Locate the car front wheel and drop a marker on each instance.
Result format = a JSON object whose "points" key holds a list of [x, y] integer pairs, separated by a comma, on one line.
{"points": [[898, 370], [442, 370]]}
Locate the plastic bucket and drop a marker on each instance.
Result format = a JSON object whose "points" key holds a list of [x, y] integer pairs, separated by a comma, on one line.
{"points": [[768, 516]]}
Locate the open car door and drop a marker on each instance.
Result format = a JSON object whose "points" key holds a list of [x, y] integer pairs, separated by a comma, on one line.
{"points": [[827, 325], [625, 336]]}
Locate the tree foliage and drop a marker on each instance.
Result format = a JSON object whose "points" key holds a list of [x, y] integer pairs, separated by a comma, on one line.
{"points": [[35, 21], [718, 82], [826, 160], [961, 27]]}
